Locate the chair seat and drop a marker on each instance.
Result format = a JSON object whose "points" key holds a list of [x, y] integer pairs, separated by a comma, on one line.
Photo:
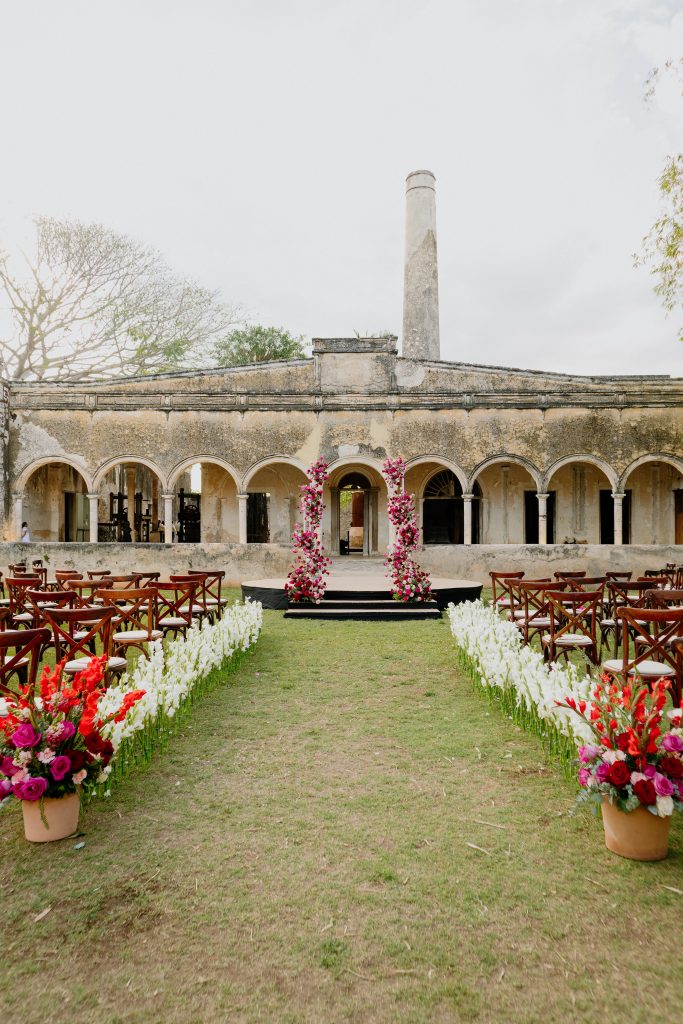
{"points": [[22, 617], [540, 620], [519, 614], [4, 602], [503, 602], [573, 640], [135, 635], [212, 600], [649, 669], [608, 622], [79, 665], [172, 622]]}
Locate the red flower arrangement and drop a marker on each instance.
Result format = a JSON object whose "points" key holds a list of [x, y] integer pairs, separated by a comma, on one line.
{"points": [[306, 581], [637, 757], [51, 739], [410, 582]]}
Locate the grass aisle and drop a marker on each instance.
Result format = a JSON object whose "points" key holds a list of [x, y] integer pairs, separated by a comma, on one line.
{"points": [[300, 853]]}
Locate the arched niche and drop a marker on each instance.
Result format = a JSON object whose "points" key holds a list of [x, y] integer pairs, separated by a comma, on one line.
{"points": [[653, 489], [581, 490], [55, 502], [274, 490]]}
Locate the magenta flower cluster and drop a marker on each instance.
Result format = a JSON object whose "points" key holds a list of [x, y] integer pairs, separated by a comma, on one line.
{"points": [[306, 581], [409, 581]]}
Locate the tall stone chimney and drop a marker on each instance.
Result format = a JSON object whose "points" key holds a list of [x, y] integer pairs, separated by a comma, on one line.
{"points": [[421, 276]]}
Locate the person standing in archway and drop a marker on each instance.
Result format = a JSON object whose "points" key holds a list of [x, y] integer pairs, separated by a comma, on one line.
{"points": [[25, 535]]}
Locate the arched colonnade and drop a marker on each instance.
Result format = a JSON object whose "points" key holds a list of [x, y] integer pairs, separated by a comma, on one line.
{"points": [[505, 499]]}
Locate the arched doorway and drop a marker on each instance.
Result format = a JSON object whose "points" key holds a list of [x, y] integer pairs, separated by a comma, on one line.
{"points": [[130, 505], [55, 503], [354, 500], [443, 510]]}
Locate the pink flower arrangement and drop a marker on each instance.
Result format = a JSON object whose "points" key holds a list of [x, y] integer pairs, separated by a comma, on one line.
{"points": [[51, 735], [637, 757], [409, 581], [306, 581]]}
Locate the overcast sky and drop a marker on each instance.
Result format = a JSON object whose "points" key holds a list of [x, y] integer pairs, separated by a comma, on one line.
{"points": [[263, 146]]}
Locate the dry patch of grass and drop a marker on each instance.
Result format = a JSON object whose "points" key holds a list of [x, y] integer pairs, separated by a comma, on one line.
{"points": [[338, 835]]}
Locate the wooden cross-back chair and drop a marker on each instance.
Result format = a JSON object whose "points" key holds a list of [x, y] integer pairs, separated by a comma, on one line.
{"points": [[79, 633], [174, 606], [535, 618], [21, 611], [145, 578], [653, 654], [622, 594], [86, 590], [39, 600], [500, 584], [97, 574], [27, 645], [133, 622], [573, 624], [213, 583]]}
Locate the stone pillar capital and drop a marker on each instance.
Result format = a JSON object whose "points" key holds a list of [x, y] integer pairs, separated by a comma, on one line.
{"points": [[468, 496], [618, 495]]}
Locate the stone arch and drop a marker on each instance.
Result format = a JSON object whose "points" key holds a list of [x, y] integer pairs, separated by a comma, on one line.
{"points": [[28, 471], [593, 460], [182, 467], [438, 460], [119, 459], [287, 460], [337, 468], [517, 460], [672, 460]]}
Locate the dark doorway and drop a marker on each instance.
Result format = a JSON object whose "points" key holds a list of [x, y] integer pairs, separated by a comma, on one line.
{"points": [[353, 494], [442, 510], [531, 518], [258, 528], [678, 513], [607, 518], [189, 517]]}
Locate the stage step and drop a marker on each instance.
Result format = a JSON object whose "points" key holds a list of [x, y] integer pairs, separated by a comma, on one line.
{"points": [[364, 610]]}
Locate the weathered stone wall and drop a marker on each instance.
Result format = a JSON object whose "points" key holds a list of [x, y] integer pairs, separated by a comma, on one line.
{"points": [[257, 561]]}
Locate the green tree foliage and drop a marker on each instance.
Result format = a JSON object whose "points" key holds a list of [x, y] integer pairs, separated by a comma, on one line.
{"points": [[254, 343]]}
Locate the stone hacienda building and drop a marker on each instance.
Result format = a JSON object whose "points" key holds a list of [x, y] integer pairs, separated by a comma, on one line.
{"points": [[508, 466]]}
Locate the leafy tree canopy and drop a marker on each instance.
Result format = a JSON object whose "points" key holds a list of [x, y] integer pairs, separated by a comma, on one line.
{"points": [[254, 343]]}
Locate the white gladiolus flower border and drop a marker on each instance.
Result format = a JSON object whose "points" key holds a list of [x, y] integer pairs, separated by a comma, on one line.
{"points": [[514, 675], [174, 675]]}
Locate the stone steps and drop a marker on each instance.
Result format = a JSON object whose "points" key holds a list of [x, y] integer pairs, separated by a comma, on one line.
{"points": [[364, 609]]}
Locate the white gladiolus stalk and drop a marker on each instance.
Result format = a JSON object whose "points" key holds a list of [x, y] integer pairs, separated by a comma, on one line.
{"points": [[173, 670], [492, 651]]}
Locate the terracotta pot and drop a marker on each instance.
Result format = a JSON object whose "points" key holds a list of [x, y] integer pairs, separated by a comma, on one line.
{"points": [[637, 834], [61, 814]]}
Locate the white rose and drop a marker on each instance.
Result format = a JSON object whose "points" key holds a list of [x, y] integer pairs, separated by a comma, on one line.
{"points": [[665, 806]]}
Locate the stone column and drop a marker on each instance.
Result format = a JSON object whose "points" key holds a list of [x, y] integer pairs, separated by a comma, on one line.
{"points": [[94, 501], [334, 519], [242, 517], [18, 503], [542, 518], [618, 497], [421, 278], [467, 518], [168, 518], [130, 499]]}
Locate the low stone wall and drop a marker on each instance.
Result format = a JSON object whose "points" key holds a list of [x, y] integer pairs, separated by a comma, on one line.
{"points": [[256, 561]]}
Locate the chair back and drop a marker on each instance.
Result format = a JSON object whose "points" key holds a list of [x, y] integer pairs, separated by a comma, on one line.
{"points": [[18, 569], [213, 581], [40, 599], [574, 575], [97, 574], [574, 613], [128, 582], [138, 613], [62, 576], [618, 575], [664, 598], [174, 600], [655, 632], [91, 625], [86, 589], [500, 585], [16, 589], [145, 578], [27, 645]]}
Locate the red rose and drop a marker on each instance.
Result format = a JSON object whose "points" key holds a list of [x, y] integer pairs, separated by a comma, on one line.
{"points": [[623, 740], [78, 760], [645, 791], [97, 745], [619, 775], [673, 766]]}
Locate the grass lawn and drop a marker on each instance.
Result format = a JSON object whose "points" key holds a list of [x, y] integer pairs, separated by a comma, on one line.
{"points": [[300, 853]]}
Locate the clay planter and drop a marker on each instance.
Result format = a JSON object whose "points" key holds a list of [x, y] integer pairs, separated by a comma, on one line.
{"points": [[61, 814], [637, 835]]}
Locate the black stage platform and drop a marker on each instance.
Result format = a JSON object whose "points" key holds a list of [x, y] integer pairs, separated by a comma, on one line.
{"points": [[271, 592]]}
